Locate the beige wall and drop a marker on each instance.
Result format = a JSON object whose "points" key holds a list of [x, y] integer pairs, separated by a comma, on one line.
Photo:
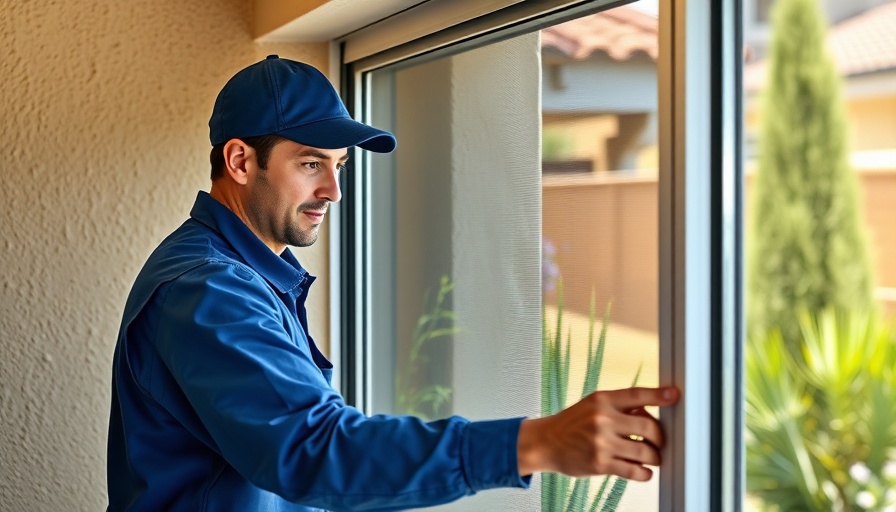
{"points": [[872, 122], [605, 230], [587, 137], [606, 234], [879, 200], [104, 111]]}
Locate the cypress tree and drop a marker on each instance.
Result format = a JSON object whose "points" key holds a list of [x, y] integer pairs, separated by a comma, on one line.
{"points": [[806, 249]]}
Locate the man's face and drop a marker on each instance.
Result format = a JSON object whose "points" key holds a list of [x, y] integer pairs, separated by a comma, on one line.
{"points": [[287, 202]]}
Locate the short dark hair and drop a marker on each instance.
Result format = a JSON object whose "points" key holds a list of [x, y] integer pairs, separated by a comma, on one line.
{"points": [[263, 145]]}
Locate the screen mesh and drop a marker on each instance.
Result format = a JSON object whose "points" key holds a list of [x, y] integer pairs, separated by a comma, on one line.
{"points": [[522, 187]]}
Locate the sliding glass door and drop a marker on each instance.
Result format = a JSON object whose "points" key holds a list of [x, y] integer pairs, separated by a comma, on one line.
{"points": [[517, 232]]}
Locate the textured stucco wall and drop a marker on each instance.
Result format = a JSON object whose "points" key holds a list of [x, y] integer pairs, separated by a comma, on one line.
{"points": [[103, 107]]}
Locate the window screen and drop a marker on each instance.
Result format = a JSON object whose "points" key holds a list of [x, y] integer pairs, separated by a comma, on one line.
{"points": [[515, 228]]}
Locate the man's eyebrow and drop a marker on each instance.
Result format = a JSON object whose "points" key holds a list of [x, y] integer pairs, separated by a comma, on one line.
{"points": [[320, 154]]}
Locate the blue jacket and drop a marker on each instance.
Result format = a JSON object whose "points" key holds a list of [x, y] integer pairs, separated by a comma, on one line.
{"points": [[222, 402]]}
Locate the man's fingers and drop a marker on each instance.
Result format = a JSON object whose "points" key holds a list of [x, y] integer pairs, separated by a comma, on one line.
{"points": [[629, 458], [633, 398], [640, 411], [608, 432], [643, 427], [629, 470], [638, 452]]}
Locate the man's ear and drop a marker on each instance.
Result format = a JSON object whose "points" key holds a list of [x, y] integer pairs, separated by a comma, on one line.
{"points": [[239, 158]]}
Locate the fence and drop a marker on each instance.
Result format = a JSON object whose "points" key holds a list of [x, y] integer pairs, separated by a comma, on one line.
{"points": [[604, 228]]}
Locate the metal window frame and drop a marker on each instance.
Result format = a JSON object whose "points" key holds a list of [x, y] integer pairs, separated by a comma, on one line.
{"points": [[700, 195], [701, 327]]}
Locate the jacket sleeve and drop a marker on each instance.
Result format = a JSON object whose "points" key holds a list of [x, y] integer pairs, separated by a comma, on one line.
{"points": [[276, 420]]}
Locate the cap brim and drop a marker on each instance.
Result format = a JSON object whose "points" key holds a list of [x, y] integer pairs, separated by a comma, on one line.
{"points": [[340, 132]]}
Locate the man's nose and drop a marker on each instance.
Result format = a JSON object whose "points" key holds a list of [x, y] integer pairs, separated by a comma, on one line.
{"points": [[330, 190]]}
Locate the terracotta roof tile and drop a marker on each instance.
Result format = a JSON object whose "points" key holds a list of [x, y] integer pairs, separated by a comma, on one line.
{"points": [[866, 42], [862, 44], [619, 33]]}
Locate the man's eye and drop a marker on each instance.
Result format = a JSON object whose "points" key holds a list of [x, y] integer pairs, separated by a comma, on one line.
{"points": [[341, 167], [312, 165]]}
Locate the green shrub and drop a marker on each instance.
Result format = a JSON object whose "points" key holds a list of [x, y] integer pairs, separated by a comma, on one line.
{"points": [[560, 493], [821, 420], [806, 247], [438, 323]]}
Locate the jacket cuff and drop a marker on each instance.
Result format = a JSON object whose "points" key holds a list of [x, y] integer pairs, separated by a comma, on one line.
{"points": [[489, 452]]}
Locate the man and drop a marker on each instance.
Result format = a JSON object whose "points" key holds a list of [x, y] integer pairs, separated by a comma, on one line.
{"points": [[221, 400]]}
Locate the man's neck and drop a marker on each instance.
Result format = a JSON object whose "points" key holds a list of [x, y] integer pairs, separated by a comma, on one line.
{"points": [[232, 200]]}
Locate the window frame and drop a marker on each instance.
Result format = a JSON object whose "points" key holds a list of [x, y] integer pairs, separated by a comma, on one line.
{"points": [[701, 241], [700, 208]]}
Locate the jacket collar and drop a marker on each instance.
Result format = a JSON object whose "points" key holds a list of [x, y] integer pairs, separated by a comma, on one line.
{"points": [[283, 271]]}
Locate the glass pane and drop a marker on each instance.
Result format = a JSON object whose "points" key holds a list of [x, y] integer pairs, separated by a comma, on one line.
{"points": [[455, 241], [600, 200], [821, 258], [524, 185]]}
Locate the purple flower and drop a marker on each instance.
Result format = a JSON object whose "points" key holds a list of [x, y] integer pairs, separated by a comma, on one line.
{"points": [[550, 271]]}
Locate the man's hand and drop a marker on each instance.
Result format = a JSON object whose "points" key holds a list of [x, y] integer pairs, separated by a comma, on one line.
{"points": [[607, 432]]}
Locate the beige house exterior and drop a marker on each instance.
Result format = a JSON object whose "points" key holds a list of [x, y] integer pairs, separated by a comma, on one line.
{"points": [[864, 51], [617, 209]]}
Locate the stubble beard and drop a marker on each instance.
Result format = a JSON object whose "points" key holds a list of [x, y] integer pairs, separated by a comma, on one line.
{"points": [[293, 234], [296, 236]]}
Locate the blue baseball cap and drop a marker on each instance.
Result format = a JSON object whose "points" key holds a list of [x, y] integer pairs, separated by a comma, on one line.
{"points": [[293, 100]]}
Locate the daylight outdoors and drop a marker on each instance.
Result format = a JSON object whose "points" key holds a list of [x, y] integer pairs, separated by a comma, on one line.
{"points": [[599, 226], [820, 124], [820, 237], [819, 108]]}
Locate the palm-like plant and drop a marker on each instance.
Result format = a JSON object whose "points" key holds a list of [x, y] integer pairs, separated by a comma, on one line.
{"points": [[821, 422], [560, 492], [438, 323]]}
